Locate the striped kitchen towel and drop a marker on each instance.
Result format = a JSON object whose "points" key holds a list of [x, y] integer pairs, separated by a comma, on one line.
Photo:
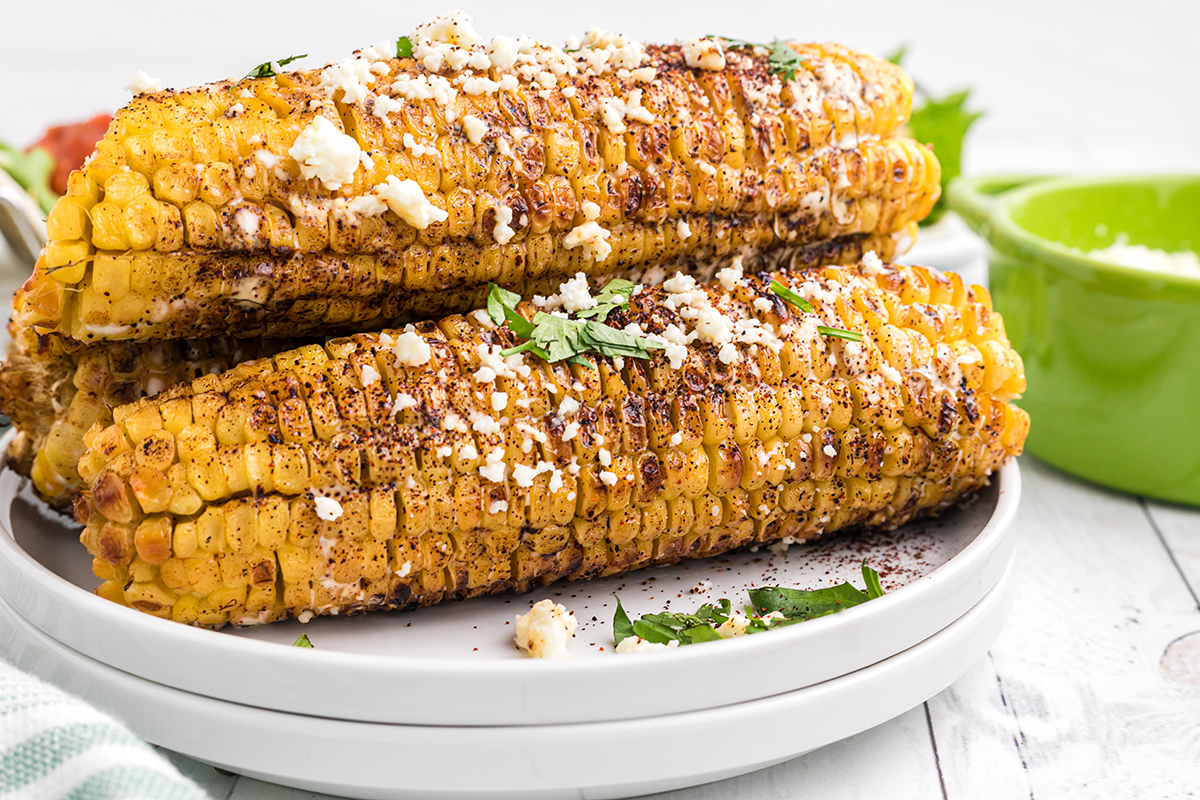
{"points": [[55, 746]]}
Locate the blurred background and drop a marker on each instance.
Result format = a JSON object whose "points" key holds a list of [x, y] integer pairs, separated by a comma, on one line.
{"points": [[1066, 86]]}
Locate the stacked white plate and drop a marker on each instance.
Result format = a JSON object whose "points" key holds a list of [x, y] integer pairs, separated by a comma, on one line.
{"points": [[439, 704]]}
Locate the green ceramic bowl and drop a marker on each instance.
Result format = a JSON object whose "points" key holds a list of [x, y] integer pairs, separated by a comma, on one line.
{"points": [[1112, 354]]}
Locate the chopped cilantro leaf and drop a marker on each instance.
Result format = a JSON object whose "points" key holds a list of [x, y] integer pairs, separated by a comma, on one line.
{"points": [[404, 47], [302, 641], [269, 68], [554, 338], [771, 607], [781, 60]]}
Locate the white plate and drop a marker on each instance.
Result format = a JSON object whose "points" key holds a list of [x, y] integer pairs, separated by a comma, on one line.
{"points": [[949, 245], [455, 664], [592, 760]]}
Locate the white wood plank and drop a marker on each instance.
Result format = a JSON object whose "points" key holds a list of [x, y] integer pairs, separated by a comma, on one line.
{"points": [[976, 734], [894, 760], [1098, 603], [1179, 528]]}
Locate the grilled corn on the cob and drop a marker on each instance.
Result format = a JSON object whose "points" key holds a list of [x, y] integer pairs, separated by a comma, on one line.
{"points": [[397, 469], [54, 396], [383, 188]]}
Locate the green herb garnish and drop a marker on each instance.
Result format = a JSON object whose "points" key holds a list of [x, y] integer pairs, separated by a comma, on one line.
{"points": [[615, 294], [555, 339], [269, 68], [404, 47], [302, 641], [840, 333], [790, 296], [663, 628], [771, 607], [781, 60], [943, 124], [32, 172], [798, 301]]}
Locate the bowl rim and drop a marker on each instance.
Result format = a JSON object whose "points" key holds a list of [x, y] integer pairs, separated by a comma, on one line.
{"points": [[993, 211]]}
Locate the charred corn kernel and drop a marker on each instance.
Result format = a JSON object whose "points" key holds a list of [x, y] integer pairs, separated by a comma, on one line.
{"points": [[55, 395], [198, 195], [293, 461]]}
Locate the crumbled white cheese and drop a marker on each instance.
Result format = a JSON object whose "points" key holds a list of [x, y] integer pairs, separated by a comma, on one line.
{"points": [[544, 631], [497, 506], [614, 111], [266, 158], [475, 128], [405, 198], [609, 478], [872, 265], [589, 235], [729, 277], [734, 626], [636, 644], [328, 509], [502, 232], [1138, 256], [574, 295], [829, 450], [324, 152], [402, 401], [494, 468], [141, 83], [352, 76], [703, 54], [683, 229], [483, 423], [369, 375], [404, 570], [605, 457], [468, 452], [499, 401], [677, 439], [568, 406], [411, 350]]}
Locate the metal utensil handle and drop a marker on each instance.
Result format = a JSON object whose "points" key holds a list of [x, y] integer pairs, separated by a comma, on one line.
{"points": [[21, 222]]}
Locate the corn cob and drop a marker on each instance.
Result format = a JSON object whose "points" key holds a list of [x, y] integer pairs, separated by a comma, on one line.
{"points": [[368, 474], [200, 213], [54, 396]]}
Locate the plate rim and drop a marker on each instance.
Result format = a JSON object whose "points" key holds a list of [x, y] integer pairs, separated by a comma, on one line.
{"points": [[272, 658], [989, 615]]}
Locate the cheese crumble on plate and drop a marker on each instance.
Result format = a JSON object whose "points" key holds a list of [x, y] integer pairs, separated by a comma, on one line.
{"points": [[545, 629]]}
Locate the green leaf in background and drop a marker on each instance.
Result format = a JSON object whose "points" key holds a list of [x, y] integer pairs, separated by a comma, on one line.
{"points": [[302, 641], [943, 124], [32, 172]]}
